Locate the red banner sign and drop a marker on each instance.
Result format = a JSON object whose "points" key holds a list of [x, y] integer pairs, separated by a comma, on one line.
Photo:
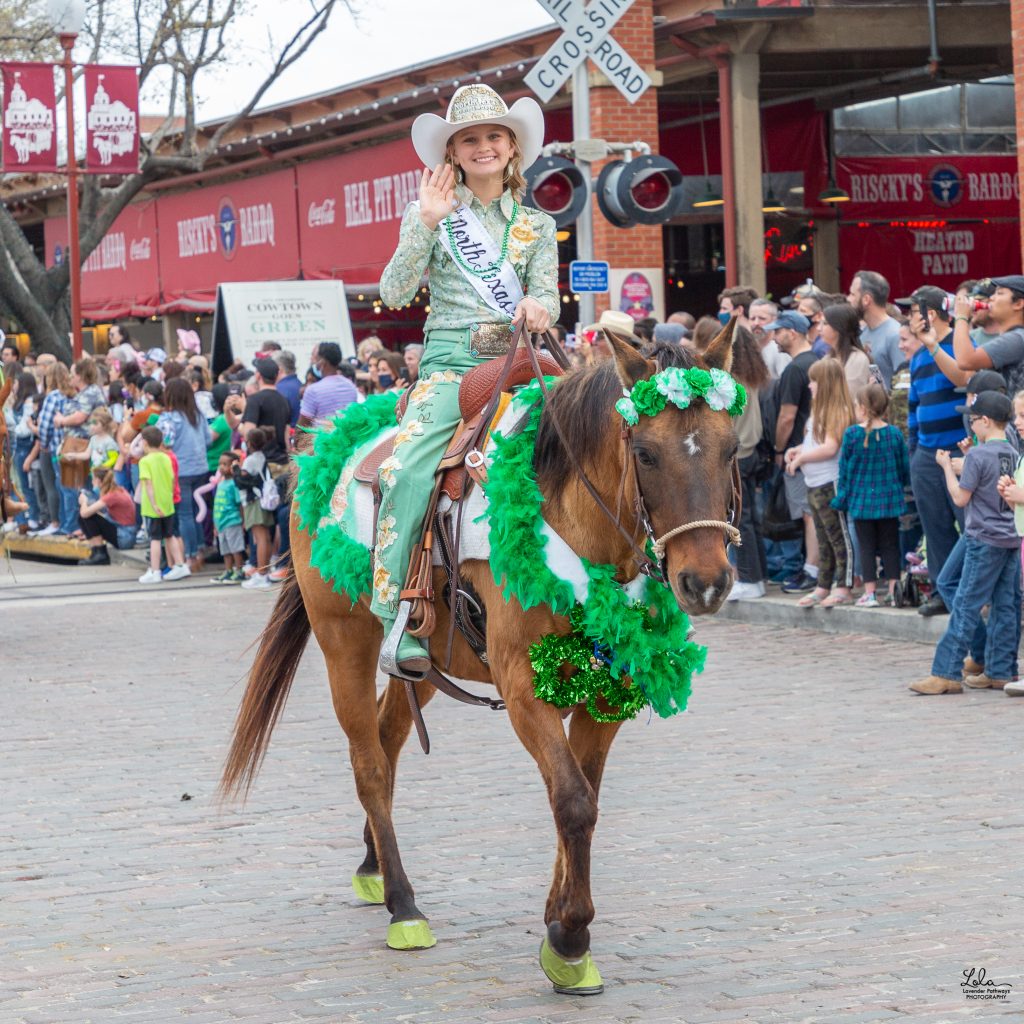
{"points": [[241, 231], [29, 118], [935, 252], [120, 277], [942, 187], [350, 207], [111, 119]]}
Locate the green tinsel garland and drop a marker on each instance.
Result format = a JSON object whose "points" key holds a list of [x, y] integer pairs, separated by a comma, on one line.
{"points": [[645, 639], [342, 561]]}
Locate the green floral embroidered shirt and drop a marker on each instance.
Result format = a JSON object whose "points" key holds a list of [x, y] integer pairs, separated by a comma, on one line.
{"points": [[454, 302]]}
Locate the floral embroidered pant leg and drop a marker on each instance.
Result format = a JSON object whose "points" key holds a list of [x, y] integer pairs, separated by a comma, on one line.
{"points": [[407, 477]]}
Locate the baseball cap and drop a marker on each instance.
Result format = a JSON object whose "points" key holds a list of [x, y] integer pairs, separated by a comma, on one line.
{"points": [[267, 368], [672, 333], [1015, 282], [992, 404], [934, 298], [986, 380], [791, 319], [157, 355]]}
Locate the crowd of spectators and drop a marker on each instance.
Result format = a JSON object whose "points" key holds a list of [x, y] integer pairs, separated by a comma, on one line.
{"points": [[878, 452], [136, 448]]}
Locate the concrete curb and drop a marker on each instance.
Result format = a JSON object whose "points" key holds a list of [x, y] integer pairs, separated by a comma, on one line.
{"points": [[890, 623]]}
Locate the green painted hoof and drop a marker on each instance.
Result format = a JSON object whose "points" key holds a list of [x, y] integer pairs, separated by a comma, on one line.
{"points": [[369, 887], [571, 977], [410, 935]]}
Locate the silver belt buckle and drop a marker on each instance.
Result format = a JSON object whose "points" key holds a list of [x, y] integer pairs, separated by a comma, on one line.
{"points": [[490, 340]]}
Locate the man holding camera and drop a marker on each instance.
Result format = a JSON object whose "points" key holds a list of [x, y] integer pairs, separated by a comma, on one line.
{"points": [[1005, 352], [934, 426]]}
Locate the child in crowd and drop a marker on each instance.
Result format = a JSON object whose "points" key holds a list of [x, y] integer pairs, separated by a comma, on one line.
{"points": [[992, 553], [156, 495], [103, 449], [1012, 491], [110, 519], [249, 477], [874, 469], [818, 457], [227, 521], [115, 401]]}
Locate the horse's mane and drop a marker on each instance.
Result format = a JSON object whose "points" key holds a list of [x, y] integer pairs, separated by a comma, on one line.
{"points": [[581, 403]]}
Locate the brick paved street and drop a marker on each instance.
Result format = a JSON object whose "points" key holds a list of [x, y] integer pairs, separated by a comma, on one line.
{"points": [[810, 843]]}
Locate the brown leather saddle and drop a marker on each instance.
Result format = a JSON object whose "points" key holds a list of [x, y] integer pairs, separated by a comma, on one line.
{"points": [[475, 392]]}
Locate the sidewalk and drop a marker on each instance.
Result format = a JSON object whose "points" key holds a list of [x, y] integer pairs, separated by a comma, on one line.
{"points": [[778, 609]]}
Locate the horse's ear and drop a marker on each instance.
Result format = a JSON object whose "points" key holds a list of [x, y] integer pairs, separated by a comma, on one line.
{"points": [[718, 354], [629, 364]]}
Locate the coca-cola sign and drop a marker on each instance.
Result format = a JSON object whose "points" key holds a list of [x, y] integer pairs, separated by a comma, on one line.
{"points": [[321, 214], [141, 249]]}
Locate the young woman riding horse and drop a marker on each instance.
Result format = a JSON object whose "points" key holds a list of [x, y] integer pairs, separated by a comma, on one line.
{"points": [[480, 259], [662, 458]]}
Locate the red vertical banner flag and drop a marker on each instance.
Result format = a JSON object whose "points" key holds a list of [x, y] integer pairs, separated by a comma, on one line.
{"points": [[111, 119], [29, 117]]}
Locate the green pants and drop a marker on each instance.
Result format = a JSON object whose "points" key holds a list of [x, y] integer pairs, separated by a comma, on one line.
{"points": [[407, 477]]}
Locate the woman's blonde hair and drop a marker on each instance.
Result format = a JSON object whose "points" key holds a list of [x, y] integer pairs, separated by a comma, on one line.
{"points": [[58, 378], [513, 179], [104, 476], [831, 408]]}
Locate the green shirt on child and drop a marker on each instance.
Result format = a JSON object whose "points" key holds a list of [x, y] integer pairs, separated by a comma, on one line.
{"points": [[156, 467]]}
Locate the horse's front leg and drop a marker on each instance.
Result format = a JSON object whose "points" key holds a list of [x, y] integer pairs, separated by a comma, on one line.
{"points": [[590, 742], [565, 952]]}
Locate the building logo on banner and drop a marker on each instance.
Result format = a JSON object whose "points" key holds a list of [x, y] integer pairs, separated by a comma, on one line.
{"points": [[946, 185], [29, 117], [227, 228], [111, 126]]}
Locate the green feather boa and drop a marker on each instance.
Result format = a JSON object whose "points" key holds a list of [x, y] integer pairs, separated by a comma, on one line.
{"points": [[645, 639], [342, 561]]}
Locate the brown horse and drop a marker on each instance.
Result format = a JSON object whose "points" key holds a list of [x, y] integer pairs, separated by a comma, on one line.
{"points": [[682, 462]]}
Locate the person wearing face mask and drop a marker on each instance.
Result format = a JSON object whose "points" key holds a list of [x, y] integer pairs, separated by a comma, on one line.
{"points": [[331, 392], [386, 372], [736, 302], [880, 335]]}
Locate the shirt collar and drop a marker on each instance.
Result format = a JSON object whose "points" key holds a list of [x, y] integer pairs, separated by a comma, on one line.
{"points": [[467, 196]]}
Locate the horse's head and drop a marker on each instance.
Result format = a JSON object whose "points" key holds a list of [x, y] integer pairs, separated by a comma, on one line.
{"points": [[684, 462]]}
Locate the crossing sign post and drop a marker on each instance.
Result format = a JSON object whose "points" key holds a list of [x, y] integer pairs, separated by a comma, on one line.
{"points": [[586, 32]]}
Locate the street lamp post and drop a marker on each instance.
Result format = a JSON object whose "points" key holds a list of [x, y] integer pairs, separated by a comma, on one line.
{"points": [[66, 18]]}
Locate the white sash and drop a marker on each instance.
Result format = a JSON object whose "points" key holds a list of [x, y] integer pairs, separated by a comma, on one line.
{"points": [[500, 289]]}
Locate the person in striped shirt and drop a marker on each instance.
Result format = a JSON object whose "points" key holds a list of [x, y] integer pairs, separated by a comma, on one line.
{"points": [[933, 425]]}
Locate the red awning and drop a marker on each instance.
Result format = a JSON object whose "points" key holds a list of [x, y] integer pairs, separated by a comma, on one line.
{"points": [[350, 208], [120, 277], [241, 231]]}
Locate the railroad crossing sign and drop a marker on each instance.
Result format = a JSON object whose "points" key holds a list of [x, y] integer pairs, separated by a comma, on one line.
{"points": [[586, 33]]}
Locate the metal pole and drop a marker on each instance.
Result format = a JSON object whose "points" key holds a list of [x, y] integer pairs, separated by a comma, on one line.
{"points": [[67, 41], [585, 221]]}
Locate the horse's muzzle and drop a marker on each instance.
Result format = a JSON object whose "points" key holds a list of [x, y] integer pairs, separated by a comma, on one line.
{"points": [[700, 594]]}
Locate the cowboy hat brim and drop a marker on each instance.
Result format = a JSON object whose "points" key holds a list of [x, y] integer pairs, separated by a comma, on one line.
{"points": [[430, 133]]}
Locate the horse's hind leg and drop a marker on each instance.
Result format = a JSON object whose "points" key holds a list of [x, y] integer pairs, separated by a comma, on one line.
{"points": [[394, 720], [352, 648]]}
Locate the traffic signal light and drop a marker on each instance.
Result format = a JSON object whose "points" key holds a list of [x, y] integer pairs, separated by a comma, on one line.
{"points": [[645, 190], [556, 186]]}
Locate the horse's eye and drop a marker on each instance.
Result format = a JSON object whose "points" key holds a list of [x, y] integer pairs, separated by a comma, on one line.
{"points": [[645, 458]]}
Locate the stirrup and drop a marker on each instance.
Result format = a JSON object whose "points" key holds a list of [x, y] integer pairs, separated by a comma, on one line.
{"points": [[389, 649]]}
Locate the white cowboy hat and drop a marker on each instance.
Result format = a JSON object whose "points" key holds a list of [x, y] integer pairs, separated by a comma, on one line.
{"points": [[479, 104], [617, 323]]}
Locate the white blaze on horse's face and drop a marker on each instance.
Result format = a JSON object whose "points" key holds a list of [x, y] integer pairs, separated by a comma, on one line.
{"points": [[691, 444]]}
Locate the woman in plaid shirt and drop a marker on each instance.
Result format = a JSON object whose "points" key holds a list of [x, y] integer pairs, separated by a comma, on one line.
{"points": [[874, 469]]}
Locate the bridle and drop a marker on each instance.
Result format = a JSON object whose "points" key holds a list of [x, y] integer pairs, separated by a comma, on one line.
{"points": [[652, 567]]}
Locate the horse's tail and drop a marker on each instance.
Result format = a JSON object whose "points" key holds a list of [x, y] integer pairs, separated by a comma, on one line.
{"points": [[280, 649]]}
